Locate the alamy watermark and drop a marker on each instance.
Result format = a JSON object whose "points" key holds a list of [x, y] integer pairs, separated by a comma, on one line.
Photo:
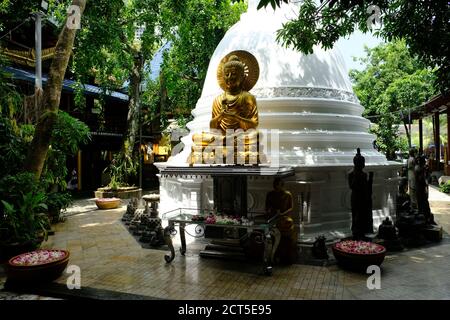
{"points": [[74, 280], [250, 147], [73, 17], [374, 20], [374, 280]]}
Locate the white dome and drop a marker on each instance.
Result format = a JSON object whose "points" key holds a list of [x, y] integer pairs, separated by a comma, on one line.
{"points": [[309, 98], [280, 66]]}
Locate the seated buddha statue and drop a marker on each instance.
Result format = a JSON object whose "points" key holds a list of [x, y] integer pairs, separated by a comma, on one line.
{"points": [[235, 108], [234, 116]]}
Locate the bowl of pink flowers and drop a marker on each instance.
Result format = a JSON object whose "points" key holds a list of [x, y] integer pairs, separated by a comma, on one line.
{"points": [[37, 266], [358, 255]]}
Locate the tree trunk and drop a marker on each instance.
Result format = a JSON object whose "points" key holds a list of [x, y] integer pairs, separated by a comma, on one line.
{"points": [[162, 106], [133, 109], [408, 134], [52, 95]]}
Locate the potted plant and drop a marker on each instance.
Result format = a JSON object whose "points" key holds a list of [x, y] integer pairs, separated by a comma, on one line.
{"points": [[24, 224]]}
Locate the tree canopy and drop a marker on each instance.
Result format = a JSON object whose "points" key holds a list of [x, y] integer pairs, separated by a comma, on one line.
{"points": [[393, 83], [424, 25], [113, 32], [14, 12], [118, 40], [193, 29]]}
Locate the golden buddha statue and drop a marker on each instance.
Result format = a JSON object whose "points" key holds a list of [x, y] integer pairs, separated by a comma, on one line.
{"points": [[235, 108], [234, 112]]}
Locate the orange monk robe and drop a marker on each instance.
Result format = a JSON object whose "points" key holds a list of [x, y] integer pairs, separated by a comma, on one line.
{"points": [[243, 104]]}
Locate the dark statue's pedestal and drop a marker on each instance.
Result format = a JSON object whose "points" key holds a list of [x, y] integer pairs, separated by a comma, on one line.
{"points": [[433, 233], [415, 231], [390, 245]]}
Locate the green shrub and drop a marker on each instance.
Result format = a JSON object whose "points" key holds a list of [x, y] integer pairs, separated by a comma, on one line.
{"points": [[68, 134], [445, 187], [122, 168], [23, 211]]}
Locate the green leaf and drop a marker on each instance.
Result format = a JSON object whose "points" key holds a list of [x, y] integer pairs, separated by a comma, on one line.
{"points": [[8, 207], [262, 4]]}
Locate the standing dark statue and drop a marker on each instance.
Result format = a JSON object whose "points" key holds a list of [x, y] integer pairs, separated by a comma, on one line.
{"points": [[423, 205], [403, 199], [412, 161], [361, 199]]}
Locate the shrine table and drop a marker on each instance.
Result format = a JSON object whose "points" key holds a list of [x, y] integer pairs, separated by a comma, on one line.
{"points": [[270, 235]]}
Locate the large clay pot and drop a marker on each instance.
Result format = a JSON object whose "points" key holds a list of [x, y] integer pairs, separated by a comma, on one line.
{"points": [[37, 266], [107, 203], [358, 259]]}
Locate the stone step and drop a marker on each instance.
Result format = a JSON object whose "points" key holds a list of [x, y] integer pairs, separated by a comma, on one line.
{"points": [[226, 242], [230, 255], [222, 248]]}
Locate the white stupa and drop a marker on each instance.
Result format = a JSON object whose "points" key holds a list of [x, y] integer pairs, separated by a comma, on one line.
{"points": [[310, 100]]}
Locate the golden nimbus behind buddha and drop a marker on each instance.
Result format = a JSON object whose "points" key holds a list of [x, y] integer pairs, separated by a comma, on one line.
{"points": [[233, 138]]}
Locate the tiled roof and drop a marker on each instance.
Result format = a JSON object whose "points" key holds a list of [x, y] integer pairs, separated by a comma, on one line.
{"points": [[68, 85]]}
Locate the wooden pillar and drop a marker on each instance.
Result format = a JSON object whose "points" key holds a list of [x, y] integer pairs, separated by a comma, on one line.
{"points": [[448, 141], [437, 140], [420, 136]]}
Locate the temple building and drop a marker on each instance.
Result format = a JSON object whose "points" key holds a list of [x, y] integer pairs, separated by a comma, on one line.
{"points": [[107, 122]]}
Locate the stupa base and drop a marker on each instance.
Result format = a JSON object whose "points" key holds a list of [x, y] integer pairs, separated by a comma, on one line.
{"points": [[321, 195]]}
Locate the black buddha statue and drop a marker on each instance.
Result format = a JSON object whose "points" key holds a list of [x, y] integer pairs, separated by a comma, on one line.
{"points": [[421, 185], [361, 198], [403, 199], [387, 236]]}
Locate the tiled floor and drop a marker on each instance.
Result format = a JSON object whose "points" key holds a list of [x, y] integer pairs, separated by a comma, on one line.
{"points": [[111, 259]]}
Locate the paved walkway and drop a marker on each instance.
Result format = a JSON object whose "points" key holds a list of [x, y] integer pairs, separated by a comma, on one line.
{"points": [[111, 259]]}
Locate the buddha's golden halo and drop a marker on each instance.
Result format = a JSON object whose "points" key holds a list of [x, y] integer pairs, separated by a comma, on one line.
{"points": [[251, 69]]}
